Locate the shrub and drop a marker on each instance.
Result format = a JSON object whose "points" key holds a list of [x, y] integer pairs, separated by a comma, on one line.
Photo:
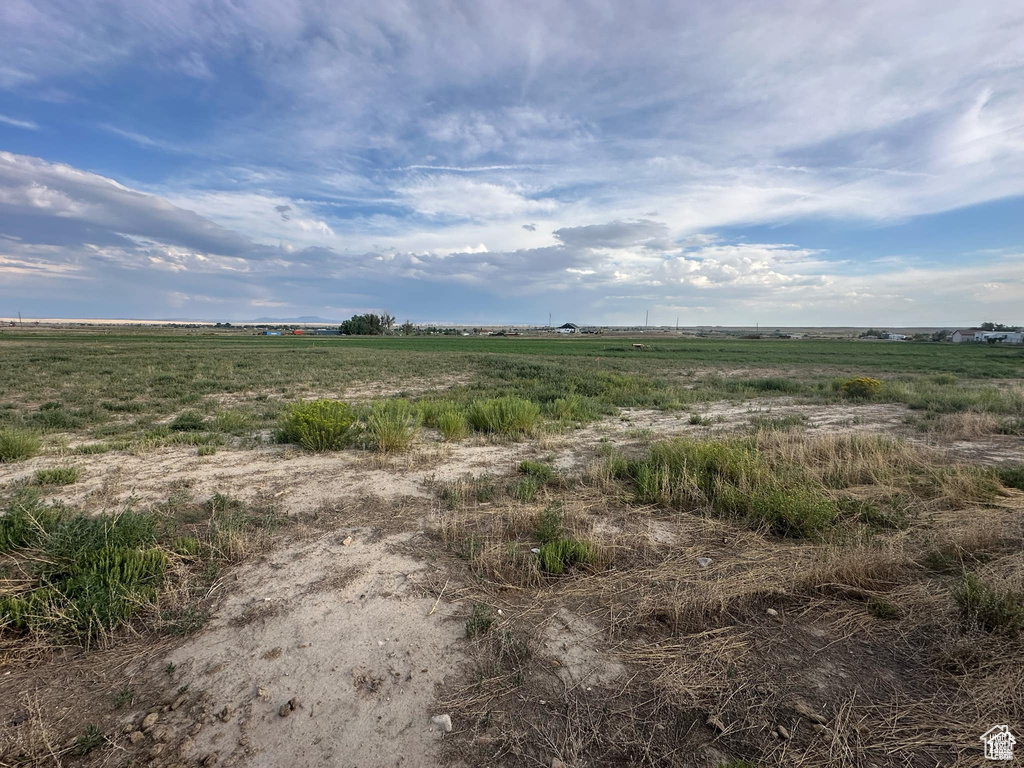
{"points": [[91, 738], [988, 608], [55, 417], [206, 450], [862, 387], [883, 609], [480, 620], [549, 524], [319, 425], [189, 421], [557, 557], [453, 425], [511, 416], [16, 444], [393, 424], [573, 407], [56, 476]]}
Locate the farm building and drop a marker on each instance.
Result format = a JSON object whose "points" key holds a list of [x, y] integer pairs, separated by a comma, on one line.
{"points": [[568, 328], [962, 335], [1001, 337]]}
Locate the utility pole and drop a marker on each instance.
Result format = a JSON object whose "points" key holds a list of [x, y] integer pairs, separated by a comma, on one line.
{"points": [[677, 324], [549, 321], [20, 321], [646, 318]]}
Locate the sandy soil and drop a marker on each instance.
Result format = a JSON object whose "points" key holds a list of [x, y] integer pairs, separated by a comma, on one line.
{"points": [[326, 654]]}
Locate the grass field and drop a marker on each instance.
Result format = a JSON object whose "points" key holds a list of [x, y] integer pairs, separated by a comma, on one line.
{"points": [[216, 547]]}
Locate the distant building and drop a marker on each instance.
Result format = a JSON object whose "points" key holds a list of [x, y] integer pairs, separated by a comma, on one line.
{"points": [[1000, 337], [568, 328], [894, 336], [271, 333], [962, 335]]}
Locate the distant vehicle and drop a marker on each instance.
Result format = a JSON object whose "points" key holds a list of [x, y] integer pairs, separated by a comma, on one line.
{"points": [[271, 333]]}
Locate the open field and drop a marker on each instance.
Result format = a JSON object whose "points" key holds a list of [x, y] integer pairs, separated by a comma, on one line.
{"points": [[218, 549]]}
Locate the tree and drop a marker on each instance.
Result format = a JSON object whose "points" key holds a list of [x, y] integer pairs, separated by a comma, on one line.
{"points": [[368, 325], [407, 328], [990, 326]]}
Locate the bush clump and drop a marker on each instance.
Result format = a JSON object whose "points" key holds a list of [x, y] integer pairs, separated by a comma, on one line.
{"points": [[731, 479], [558, 556], [510, 416], [862, 387], [998, 611], [319, 425], [17, 444], [393, 424], [56, 476], [189, 421]]}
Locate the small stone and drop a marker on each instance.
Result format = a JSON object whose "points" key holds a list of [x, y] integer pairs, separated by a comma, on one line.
{"points": [[444, 722], [716, 723], [783, 732], [226, 714], [210, 759], [156, 750], [772, 612], [347, 541], [161, 733], [195, 729], [136, 737], [535, 550], [703, 562], [288, 707], [556, 763], [262, 692], [804, 709], [150, 720], [180, 701]]}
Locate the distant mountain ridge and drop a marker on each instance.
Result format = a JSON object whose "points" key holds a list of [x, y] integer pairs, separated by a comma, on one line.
{"points": [[302, 319]]}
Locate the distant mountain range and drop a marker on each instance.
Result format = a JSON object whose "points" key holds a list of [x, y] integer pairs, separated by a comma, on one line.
{"points": [[303, 319]]}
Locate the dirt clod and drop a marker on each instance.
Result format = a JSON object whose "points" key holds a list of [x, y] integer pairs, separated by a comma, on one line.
{"points": [[226, 714], [444, 722], [783, 732], [150, 720], [136, 737]]}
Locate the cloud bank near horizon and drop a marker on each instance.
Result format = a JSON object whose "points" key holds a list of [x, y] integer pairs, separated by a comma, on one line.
{"points": [[803, 164]]}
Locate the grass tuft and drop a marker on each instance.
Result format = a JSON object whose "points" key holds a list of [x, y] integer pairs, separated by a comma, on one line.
{"points": [[998, 611], [17, 444], [393, 425], [510, 416], [557, 557], [480, 620], [56, 476], [319, 425]]}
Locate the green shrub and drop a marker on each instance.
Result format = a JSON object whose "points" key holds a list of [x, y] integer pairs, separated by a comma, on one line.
{"points": [[319, 425], [206, 450], [544, 473], [393, 424], [26, 521], [574, 408], [549, 524], [511, 416], [55, 417], [883, 609], [189, 421], [17, 444], [480, 620], [988, 608], [453, 425], [91, 449], [557, 557], [863, 387], [56, 476]]}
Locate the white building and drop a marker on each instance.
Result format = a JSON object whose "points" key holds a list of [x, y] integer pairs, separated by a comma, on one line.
{"points": [[962, 335], [568, 328]]}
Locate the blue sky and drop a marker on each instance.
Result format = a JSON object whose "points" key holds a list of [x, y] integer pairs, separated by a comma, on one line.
{"points": [[786, 163]]}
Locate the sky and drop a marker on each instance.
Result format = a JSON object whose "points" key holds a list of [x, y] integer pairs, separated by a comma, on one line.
{"points": [[731, 163]]}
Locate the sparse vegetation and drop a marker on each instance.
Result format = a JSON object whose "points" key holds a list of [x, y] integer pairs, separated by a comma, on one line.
{"points": [[989, 608], [509, 416], [480, 620]]}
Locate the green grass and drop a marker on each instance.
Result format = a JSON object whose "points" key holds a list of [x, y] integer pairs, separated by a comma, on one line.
{"points": [[558, 556], [544, 473], [90, 739], [93, 575], [1012, 477], [56, 476], [189, 421], [319, 425], [998, 611], [17, 444], [731, 478], [510, 416], [392, 425], [549, 524]]}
